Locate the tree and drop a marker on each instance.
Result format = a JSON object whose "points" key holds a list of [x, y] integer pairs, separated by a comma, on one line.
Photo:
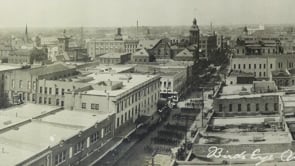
{"points": [[39, 54]]}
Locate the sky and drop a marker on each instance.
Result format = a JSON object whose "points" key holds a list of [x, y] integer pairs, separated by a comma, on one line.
{"points": [[114, 13]]}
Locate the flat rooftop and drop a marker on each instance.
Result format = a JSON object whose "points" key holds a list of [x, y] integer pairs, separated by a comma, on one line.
{"points": [[28, 110], [243, 120], [247, 137], [20, 113], [31, 138], [18, 144], [81, 119], [236, 89], [289, 100], [113, 55], [238, 96], [129, 81], [4, 67], [111, 68]]}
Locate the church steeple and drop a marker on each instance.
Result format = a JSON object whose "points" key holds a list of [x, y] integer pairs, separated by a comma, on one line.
{"points": [[26, 30], [195, 21], [26, 38]]}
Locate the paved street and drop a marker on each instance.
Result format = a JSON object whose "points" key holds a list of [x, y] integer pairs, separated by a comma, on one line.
{"points": [[137, 156]]}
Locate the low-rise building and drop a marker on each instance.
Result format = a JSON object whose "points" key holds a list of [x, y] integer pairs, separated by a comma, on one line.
{"points": [[114, 58], [184, 55], [45, 135], [97, 47], [28, 56], [175, 77], [158, 48], [4, 68], [238, 100], [141, 56], [239, 77], [23, 85]]}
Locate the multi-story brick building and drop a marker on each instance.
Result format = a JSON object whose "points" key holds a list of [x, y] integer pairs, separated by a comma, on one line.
{"points": [[251, 104], [128, 95], [23, 85], [262, 66], [51, 136]]}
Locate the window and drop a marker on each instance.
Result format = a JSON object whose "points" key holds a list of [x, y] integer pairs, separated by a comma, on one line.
{"points": [[83, 106], [244, 66], [56, 91], [60, 157], [254, 66], [12, 83], [248, 108], [107, 130], [62, 103], [20, 84], [220, 107], [45, 90], [57, 101], [34, 97], [234, 66], [62, 92], [260, 66], [29, 84], [95, 106], [50, 90], [249, 66], [40, 89], [264, 66], [271, 66], [79, 147], [40, 100], [275, 106], [45, 100], [49, 100], [239, 66], [239, 107], [257, 107], [230, 107], [266, 106], [94, 137]]}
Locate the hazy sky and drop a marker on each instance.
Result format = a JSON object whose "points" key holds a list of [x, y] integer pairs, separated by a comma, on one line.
{"points": [[105, 13]]}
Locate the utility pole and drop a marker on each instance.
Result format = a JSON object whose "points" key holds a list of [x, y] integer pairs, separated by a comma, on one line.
{"points": [[202, 110], [137, 29]]}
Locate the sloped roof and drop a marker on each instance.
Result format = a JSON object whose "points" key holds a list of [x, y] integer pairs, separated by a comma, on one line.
{"points": [[148, 44], [141, 52], [22, 52], [43, 70], [185, 53]]}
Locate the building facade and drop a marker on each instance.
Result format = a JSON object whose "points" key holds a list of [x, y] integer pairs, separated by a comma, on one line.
{"points": [[114, 58], [251, 104]]}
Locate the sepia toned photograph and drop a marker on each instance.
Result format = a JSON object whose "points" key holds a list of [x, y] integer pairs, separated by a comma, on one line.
{"points": [[147, 83]]}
